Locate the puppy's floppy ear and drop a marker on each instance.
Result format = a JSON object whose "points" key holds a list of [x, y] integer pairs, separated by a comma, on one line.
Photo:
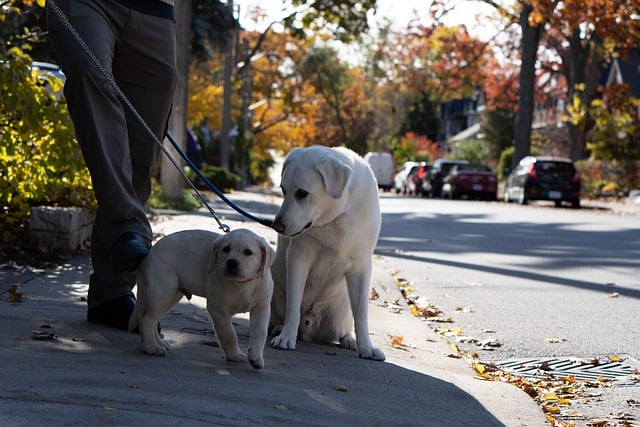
{"points": [[335, 175], [268, 255], [213, 254]]}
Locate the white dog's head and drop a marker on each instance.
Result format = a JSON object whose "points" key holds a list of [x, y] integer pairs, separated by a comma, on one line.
{"points": [[314, 180], [241, 255]]}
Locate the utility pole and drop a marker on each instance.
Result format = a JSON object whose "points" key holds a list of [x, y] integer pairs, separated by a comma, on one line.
{"points": [[172, 182], [225, 136]]}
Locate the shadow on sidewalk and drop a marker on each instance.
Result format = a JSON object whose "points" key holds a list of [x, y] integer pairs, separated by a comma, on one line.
{"points": [[96, 375]]}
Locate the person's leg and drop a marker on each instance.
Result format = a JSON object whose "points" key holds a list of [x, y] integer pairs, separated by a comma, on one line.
{"points": [[145, 69], [102, 132], [100, 127]]}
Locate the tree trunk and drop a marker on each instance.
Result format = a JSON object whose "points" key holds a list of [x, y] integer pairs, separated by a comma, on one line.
{"points": [[172, 182], [582, 68], [227, 121], [524, 117]]}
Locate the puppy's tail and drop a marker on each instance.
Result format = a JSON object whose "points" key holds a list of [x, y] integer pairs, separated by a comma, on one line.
{"points": [[138, 310], [133, 320]]}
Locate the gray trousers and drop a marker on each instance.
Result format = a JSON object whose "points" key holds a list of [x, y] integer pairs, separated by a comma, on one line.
{"points": [[139, 51]]}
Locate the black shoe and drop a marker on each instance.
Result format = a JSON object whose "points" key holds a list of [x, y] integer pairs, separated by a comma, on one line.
{"points": [[128, 251], [115, 313]]}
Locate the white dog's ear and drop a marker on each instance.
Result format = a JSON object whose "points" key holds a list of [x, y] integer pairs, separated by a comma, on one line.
{"points": [[268, 256], [335, 175], [213, 255]]}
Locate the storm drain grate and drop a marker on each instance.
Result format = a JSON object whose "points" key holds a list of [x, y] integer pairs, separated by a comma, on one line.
{"points": [[624, 372]]}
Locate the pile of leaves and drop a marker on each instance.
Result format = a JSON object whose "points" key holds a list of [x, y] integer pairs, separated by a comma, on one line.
{"points": [[552, 394]]}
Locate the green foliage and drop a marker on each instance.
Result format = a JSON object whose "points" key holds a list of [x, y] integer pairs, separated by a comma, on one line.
{"points": [[608, 178], [505, 163], [220, 177], [616, 132], [188, 202], [346, 19], [40, 160], [497, 126], [212, 26], [472, 150], [422, 118]]}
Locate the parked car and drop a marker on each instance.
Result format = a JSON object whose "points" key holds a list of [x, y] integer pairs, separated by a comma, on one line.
{"points": [[432, 182], [414, 180], [471, 181], [382, 166], [544, 178], [400, 178], [44, 72]]}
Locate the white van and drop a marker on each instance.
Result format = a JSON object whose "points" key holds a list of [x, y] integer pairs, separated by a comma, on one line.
{"points": [[382, 166]]}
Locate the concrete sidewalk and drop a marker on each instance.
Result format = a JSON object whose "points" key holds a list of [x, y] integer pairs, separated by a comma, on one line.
{"points": [[83, 374]]}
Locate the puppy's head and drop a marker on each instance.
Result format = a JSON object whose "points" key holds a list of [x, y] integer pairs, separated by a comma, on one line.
{"points": [[313, 183], [241, 255]]}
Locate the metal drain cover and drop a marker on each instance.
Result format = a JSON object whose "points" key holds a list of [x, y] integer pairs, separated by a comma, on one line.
{"points": [[624, 372]]}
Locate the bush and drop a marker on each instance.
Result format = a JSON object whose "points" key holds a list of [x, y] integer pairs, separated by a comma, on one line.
{"points": [[40, 160], [220, 177], [608, 178]]}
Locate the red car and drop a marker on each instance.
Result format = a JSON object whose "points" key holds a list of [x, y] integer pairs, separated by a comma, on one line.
{"points": [[472, 181]]}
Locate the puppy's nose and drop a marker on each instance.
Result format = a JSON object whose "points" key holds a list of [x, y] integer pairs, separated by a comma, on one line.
{"points": [[278, 226], [232, 266]]}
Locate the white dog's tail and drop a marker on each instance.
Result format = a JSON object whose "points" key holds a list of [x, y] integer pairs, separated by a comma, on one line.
{"points": [[140, 307]]}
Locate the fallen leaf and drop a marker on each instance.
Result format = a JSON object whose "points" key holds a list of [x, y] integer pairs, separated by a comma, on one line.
{"points": [[340, 387], [43, 336], [373, 295], [14, 295], [282, 408], [555, 340], [397, 342], [551, 409], [613, 295], [615, 358]]}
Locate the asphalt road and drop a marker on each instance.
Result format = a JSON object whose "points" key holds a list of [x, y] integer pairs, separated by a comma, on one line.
{"points": [[537, 280]]}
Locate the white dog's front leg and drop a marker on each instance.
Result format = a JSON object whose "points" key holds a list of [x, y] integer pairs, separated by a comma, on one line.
{"points": [[227, 337], [259, 325], [358, 283], [297, 270]]}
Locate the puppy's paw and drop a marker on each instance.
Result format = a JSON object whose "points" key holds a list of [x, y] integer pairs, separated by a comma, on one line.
{"points": [[348, 342], [156, 350], [283, 342], [372, 353], [236, 357], [257, 363]]}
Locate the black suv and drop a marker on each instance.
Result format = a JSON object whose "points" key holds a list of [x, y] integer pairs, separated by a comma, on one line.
{"points": [[432, 181], [544, 178]]}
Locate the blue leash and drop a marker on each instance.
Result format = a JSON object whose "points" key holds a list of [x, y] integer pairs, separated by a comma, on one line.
{"points": [[266, 222]]}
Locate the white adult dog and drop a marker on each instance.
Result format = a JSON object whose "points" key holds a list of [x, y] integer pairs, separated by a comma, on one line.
{"points": [[232, 271], [328, 226]]}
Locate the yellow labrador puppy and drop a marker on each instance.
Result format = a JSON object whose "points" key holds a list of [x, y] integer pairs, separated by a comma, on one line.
{"points": [[232, 271], [328, 225]]}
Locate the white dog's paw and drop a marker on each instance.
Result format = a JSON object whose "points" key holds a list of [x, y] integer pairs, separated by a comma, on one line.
{"points": [[156, 350], [348, 342], [236, 357], [257, 363], [256, 358], [283, 342], [372, 353]]}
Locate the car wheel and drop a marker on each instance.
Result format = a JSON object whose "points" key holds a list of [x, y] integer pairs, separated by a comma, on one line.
{"points": [[558, 203], [575, 204]]}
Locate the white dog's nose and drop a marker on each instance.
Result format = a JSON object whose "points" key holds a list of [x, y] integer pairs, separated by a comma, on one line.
{"points": [[232, 266], [278, 225]]}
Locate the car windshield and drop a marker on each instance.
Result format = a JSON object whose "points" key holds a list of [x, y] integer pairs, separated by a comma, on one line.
{"points": [[473, 168], [554, 167]]}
